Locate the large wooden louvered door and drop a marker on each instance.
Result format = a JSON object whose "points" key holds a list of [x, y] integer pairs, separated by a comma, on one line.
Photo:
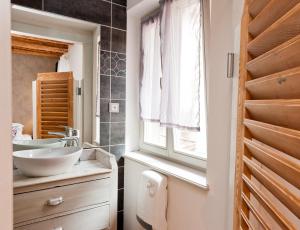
{"points": [[54, 103], [267, 186]]}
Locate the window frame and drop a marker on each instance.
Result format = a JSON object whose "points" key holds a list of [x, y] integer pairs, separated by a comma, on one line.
{"points": [[169, 152]]}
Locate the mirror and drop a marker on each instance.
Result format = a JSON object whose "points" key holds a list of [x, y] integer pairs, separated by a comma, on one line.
{"points": [[44, 91], [53, 69]]}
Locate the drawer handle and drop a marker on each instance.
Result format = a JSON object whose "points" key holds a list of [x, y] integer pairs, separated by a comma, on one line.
{"points": [[58, 228], [55, 202]]}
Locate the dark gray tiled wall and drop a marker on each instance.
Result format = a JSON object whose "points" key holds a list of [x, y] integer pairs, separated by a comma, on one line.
{"points": [[117, 14], [120, 2], [111, 15], [86, 10], [36, 4], [118, 41]]}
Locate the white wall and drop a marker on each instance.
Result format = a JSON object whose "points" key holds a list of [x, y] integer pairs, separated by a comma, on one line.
{"points": [[5, 119], [189, 207]]}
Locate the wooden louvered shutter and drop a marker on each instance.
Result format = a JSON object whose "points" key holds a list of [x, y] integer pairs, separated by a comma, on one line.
{"points": [[267, 185], [54, 102]]}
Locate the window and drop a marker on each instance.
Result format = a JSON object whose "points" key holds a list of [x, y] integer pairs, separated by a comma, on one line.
{"points": [[172, 93], [154, 134], [179, 144]]}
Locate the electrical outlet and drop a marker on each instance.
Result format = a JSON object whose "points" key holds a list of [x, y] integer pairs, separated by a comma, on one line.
{"points": [[114, 107]]}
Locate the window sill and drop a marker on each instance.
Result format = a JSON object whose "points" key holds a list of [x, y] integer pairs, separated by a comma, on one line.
{"points": [[169, 168]]}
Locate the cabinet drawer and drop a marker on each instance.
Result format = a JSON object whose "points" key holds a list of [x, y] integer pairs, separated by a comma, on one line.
{"points": [[32, 205], [92, 219]]}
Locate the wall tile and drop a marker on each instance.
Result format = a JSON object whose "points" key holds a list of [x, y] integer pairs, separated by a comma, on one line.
{"points": [[119, 15], [104, 134], [105, 62], [105, 38], [36, 4], [104, 86], [118, 64], [118, 88], [118, 151], [118, 41], [104, 110], [117, 131], [121, 2], [119, 117], [97, 11], [120, 199]]}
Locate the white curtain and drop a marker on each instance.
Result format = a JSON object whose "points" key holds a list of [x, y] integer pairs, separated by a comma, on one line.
{"points": [[182, 63], [150, 91], [175, 54]]}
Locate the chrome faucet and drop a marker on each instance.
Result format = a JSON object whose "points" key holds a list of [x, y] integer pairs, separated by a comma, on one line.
{"points": [[69, 135], [76, 139]]}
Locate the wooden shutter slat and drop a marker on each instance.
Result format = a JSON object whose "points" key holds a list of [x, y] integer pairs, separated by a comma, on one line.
{"points": [[276, 112], [271, 62], [257, 6], [281, 31], [63, 114], [53, 86], [54, 95], [55, 100], [282, 85], [55, 90], [246, 220], [53, 128], [267, 204], [54, 104], [46, 82], [283, 139], [276, 161], [57, 118], [54, 123], [255, 212], [288, 198], [54, 109], [273, 11]]}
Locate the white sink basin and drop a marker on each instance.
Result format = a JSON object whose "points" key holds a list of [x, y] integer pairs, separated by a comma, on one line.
{"points": [[37, 144], [46, 162]]}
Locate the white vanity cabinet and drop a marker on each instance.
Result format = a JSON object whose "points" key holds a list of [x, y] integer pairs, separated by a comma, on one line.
{"points": [[95, 218], [85, 198]]}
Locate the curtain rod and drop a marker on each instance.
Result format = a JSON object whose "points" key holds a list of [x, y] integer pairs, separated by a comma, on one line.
{"points": [[155, 13]]}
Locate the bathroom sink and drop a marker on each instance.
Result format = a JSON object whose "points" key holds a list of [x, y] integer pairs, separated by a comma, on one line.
{"points": [[46, 162], [37, 144]]}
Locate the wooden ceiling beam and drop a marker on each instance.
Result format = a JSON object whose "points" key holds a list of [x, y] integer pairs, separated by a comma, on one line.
{"points": [[28, 45]]}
